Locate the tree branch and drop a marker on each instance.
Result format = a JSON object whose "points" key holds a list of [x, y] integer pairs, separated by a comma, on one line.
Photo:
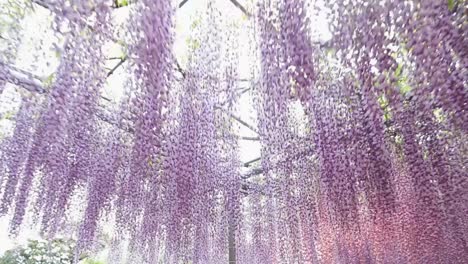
{"points": [[114, 58], [182, 3], [239, 94], [237, 119], [41, 3], [34, 84], [250, 188], [180, 68], [59, 11], [242, 8], [258, 171], [248, 163], [122, 60], [110, 120], [22, 78], [250, 138]]}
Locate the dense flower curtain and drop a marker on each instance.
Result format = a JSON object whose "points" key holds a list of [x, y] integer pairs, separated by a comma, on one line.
{"points": [[363, 136]]}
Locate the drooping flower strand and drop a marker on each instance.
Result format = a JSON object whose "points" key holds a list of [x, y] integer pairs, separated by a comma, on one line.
{"points": [[281, 67], [78, 110], [273, 96], [85, 105], [230, 149], [51, 152], [439, 60], [194, 190], [98, 175], [366, 49], [152, 36], [101, 188], [295, 30], [404, 110], [18, 148], [366, 127], [54, 147], [436, 96]]}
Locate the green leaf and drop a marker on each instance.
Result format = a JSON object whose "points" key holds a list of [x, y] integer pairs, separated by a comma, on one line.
{"points": [[193, 44], [9, 115], [451, 4], [331, 52], [195, 24], [399, 70], [398, 139], [404, 86], [49, 80], [383, 102], [439, 115], [122, 3]]}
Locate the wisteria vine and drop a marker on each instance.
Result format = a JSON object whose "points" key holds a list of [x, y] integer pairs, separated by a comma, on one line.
{"points": [[363, 144]]}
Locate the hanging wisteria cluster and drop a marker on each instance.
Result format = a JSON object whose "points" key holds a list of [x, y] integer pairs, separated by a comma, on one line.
{"points": [[363, 136]]}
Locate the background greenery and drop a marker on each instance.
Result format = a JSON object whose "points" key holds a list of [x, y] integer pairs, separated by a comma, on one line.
{"points": [[57, 251]]}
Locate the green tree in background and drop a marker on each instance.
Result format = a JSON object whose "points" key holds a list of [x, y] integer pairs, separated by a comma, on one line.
{"points": [[58, 251]]}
